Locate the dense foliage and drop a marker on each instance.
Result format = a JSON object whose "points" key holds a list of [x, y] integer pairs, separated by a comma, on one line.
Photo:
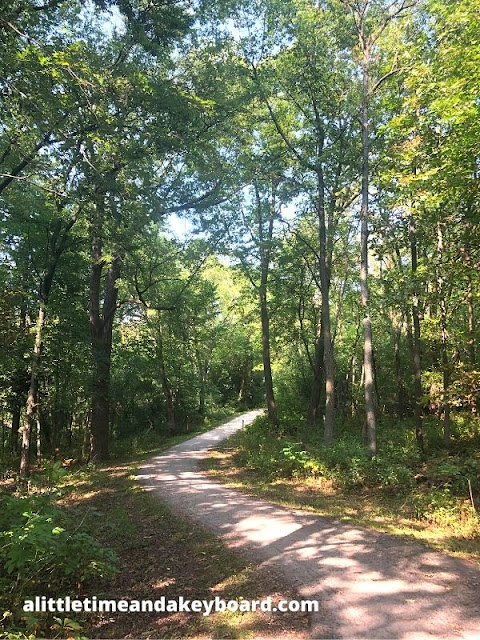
{"points": [[228, 204]]}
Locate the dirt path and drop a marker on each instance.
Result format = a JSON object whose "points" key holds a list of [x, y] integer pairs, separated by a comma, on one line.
{"points": [[369, 584]]}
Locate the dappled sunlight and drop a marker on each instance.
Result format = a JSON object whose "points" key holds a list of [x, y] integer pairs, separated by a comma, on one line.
{"points": [[368, 583]]}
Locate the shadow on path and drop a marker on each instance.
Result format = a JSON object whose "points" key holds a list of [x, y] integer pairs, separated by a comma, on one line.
{"points": [[369, 584]]}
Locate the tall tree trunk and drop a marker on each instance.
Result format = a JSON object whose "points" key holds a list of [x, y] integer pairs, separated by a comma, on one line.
{"points": [[265, 240], [101, 329], [245, 373], [417, 364], [444, 332], [31, 408], [19, 387], [203, 365], [368, 367], [328, 356]]}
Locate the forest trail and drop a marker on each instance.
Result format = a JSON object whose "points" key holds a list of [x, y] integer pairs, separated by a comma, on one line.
{"points": [[369, 584]]}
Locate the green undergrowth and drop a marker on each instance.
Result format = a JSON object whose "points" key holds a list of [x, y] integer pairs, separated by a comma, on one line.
{"points": [[149, 441], [90, 530], [46, 549], [427, 496]]}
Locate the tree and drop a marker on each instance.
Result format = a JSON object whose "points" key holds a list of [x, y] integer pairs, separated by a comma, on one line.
{"points": [[371, 21]]}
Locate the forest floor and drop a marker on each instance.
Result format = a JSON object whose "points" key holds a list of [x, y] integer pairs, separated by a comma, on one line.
{"points": [[160, 554], [383, 511], [368, 584]]}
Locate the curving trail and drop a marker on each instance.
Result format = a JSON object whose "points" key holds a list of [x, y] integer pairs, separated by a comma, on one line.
{"points": [[369, 584]]}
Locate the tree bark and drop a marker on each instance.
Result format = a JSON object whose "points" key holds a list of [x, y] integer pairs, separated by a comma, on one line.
{"points": [[368, 367], [267, 366], [444, 332], [101, 329], [31, 409], [328, 356], [417, 364], [56, 247], [16, 414], [318, 382], [350, 379], [471, 323], [203, 388], [471, 338], [265, 252], [398, 374]]}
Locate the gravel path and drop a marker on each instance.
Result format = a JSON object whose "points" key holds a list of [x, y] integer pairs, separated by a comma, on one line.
{"points": [[369, 584]]}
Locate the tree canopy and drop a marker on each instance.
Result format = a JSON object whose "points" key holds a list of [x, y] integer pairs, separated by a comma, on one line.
{"points": [[323, 157]]}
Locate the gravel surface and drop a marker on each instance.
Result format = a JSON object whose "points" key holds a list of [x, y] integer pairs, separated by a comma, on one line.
{"points": [[369, 584]]}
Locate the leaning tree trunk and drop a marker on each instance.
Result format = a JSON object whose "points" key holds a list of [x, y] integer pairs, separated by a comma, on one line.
{"points": [[368, 367]]}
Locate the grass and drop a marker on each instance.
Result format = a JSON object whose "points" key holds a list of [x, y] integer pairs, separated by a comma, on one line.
{"points": [[158, 555], [417, 500], [152, 545]]}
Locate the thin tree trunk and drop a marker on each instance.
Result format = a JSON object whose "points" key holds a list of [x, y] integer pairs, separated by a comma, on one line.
{"points": [[368, 368], [57, 243], [328, 356], [31, 408], [417, 364], [243, 382], [398, 374], [267, 366], [16, 413], [471, 338], [86, 437], [203, 389], [265, 251], [471, 323], [39, 439], [444, 332]]}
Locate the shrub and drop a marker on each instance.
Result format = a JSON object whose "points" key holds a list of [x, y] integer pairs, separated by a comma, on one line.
{"points": [[42, 551], [35, 542]]}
